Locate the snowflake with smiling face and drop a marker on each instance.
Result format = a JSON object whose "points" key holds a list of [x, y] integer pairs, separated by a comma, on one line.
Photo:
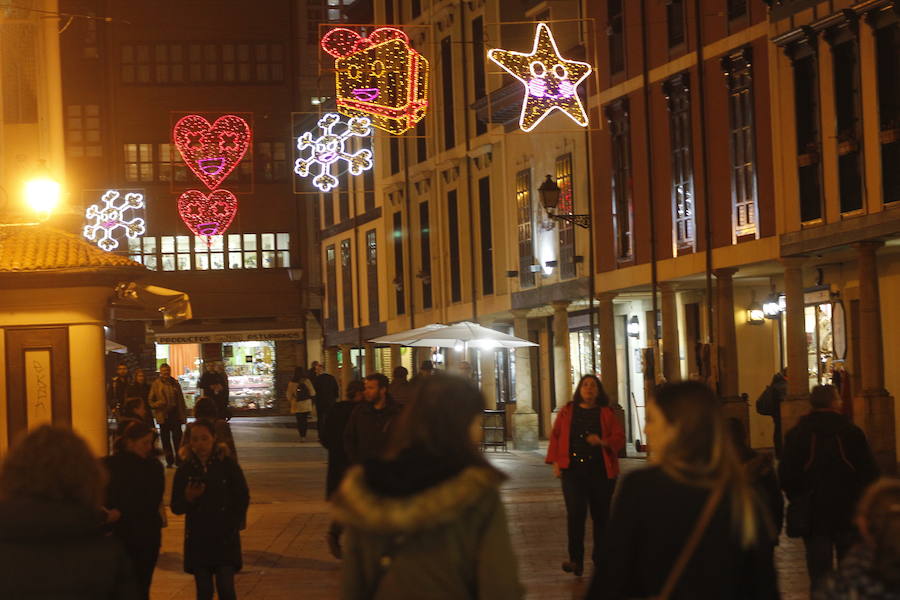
{"points": [[331, 147], [110, 216]]}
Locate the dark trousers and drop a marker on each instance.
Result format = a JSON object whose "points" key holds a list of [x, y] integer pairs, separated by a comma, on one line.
{"points": [[170, 435], [302, 423], [820, 551], [143, 559], [585, 485], [224, 576]]}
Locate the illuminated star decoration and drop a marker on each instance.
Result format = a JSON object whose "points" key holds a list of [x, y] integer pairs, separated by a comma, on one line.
{"points": [[551, 82], [212, 150], [331, 147], [109, 217], [380, 76]]}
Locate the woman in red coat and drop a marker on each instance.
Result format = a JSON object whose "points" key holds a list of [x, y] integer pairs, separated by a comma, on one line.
{"points": [[584, 449]]}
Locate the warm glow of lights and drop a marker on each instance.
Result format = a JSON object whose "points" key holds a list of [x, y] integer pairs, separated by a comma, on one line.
{"points": [[380, 76], [110, 216], [212, 150], [207, 215], [43, 194], [551, 82], [330, 148]]}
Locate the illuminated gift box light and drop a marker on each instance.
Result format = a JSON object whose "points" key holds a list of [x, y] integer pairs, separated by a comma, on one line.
{"points": [[380, 76]]}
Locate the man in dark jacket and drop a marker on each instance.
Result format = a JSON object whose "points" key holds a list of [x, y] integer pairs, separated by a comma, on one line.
{"points": [[327, 391], [370, 424], [117, 388], [826, 465], [769, 404]]}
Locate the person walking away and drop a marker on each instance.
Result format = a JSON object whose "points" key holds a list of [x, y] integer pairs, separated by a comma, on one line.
{"points": [[369, 428], [584, 448], [826, 465], [400, 386], [206, 410], [769, 404], [52, 542], [426, 519], [300, 393], [167, 401], [139, 387], [210, 490], [134, 409], [332, 438], [689, 526], [327, 391], [117, 388], [425, 371], [871, 569], [760, 471], [213, 384], [135, 489]]}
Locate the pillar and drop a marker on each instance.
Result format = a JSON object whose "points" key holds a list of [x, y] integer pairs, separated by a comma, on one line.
{"points": [[346, 366], [874, 409], [88, 385], [797, 402], [670, 362], [562, 361], [609, 368], [525, 419], [396, 360], [726, 346], [370, 358], [331, 362]]}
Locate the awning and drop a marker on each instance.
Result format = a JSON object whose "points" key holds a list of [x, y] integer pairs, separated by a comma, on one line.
{"points": [[112, 346], [175, 306]]}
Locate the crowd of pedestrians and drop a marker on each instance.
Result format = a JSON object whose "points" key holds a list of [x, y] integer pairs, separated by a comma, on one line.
{"points": [[417, 510]]}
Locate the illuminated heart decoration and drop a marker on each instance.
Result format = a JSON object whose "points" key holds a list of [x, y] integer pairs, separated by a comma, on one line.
{"points": [[212, 151], [207, 215]]}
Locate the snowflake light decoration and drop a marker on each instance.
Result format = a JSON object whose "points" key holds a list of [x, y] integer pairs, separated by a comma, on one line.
{"points": [[551, 82], [332, 147], [110, 216]]}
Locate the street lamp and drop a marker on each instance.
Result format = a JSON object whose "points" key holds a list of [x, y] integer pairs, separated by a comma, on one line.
{"points": [[42, 194], [771, 307], [634, 327], [755, 313], [549, 193]]}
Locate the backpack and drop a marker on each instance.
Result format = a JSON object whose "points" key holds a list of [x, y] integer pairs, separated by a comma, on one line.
{"points": [[766, 404], [301, 399]]}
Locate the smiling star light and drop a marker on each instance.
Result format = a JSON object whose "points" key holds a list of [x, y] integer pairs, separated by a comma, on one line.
{"points": [[551, 82]]}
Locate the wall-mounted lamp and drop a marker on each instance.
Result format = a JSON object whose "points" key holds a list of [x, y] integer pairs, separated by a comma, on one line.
{"points": [[549, 192], [398, 283], [512, 273], [551, 264], [535, 268], [425, 277], [634, 327], [772, 307], [755, 313]]}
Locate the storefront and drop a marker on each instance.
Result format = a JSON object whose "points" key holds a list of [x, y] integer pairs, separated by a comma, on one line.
{"points": [[826, 342], [249, 358]]}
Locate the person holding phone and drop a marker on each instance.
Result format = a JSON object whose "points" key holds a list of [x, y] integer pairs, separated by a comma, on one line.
{"points": [[210, 489]]}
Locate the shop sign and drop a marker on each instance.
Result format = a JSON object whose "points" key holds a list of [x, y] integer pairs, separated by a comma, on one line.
{"points": [[817, 296], [229, 336]]}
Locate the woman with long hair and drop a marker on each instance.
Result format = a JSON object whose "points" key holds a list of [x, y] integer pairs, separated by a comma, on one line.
{"points": [[52, 541], [690, 525], [426, 519], [135, 489], [210, 489], [300, 393], [139, 387], [584, 451]]}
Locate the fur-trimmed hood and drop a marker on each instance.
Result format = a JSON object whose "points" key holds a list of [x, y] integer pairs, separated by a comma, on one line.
{"points": [[355, 504]]}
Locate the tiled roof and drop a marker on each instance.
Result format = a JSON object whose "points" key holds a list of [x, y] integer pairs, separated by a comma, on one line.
{"points": [[38, 247]]}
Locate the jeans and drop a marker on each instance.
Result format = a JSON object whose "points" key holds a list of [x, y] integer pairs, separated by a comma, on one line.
{"points": [[820, 551], [585, 485], [203, 578], [170, 435], [302, 423]]}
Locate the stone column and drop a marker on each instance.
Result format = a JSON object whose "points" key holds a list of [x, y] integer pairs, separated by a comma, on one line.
{"points": [[609, 367], [346, 366], [488, 367], [396, 360], [562, 361], [670, 362], [525, 419], [370, 358], [726, 346], [797, 402], [874, 409], [331, 361]]}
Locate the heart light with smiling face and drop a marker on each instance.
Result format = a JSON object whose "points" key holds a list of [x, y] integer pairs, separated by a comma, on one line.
{"points": [[207, 215], [212, 151]]}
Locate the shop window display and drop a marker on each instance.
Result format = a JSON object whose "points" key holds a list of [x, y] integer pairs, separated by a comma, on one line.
{"points": [[251, 374], [580, 352], [819, 343]]}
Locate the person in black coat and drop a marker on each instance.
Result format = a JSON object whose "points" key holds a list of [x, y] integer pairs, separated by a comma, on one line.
{"points": [[116, 389], [327, 390], [135, 490], [332, 438], [369, 427], [657, 509], [140, 388], [52, 542], [826, 465], [210, 489]]}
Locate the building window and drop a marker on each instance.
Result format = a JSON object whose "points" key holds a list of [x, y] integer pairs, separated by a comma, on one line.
{"points": [[421, 142], [887, 48], [678, 96], [139, 162], [738, 77], [415, 8], [189, 253], [487, 236], [368, 190], [526, 225], [394, 154], [447, 86], [168, 63], [176, 64], [425, 238], [83, 131], [620, 140], [397, 233], [675, 22], [170, 165], [372, 275], [737, 9], [453, 234], [615, 30], [343, 197], [328, 209], [347, 284], [849, 123], [806, 117], [478, 73], [331, 288], [271, 160], [566, 207]]}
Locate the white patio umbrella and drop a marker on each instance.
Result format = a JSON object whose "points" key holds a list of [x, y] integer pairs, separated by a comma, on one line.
{"points": [[410, 337], [458, 335]]}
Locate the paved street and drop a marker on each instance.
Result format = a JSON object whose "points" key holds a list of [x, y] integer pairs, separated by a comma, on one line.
{"points": [[284, 545]]}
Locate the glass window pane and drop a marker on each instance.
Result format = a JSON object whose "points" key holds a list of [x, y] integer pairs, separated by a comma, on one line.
{"points": [[250, 260], [284, 259], [149, 245], [184, 243], [234, 241], [268, 260], [150, 261], [201, 261], [217, 261], [135, 257], [200, 244], [215, 243], [184, 262], [134, 244], [167, 243], [268, 241], [146, 171], [249, 241], [284, 241], [168, 262], [235, 261]]}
